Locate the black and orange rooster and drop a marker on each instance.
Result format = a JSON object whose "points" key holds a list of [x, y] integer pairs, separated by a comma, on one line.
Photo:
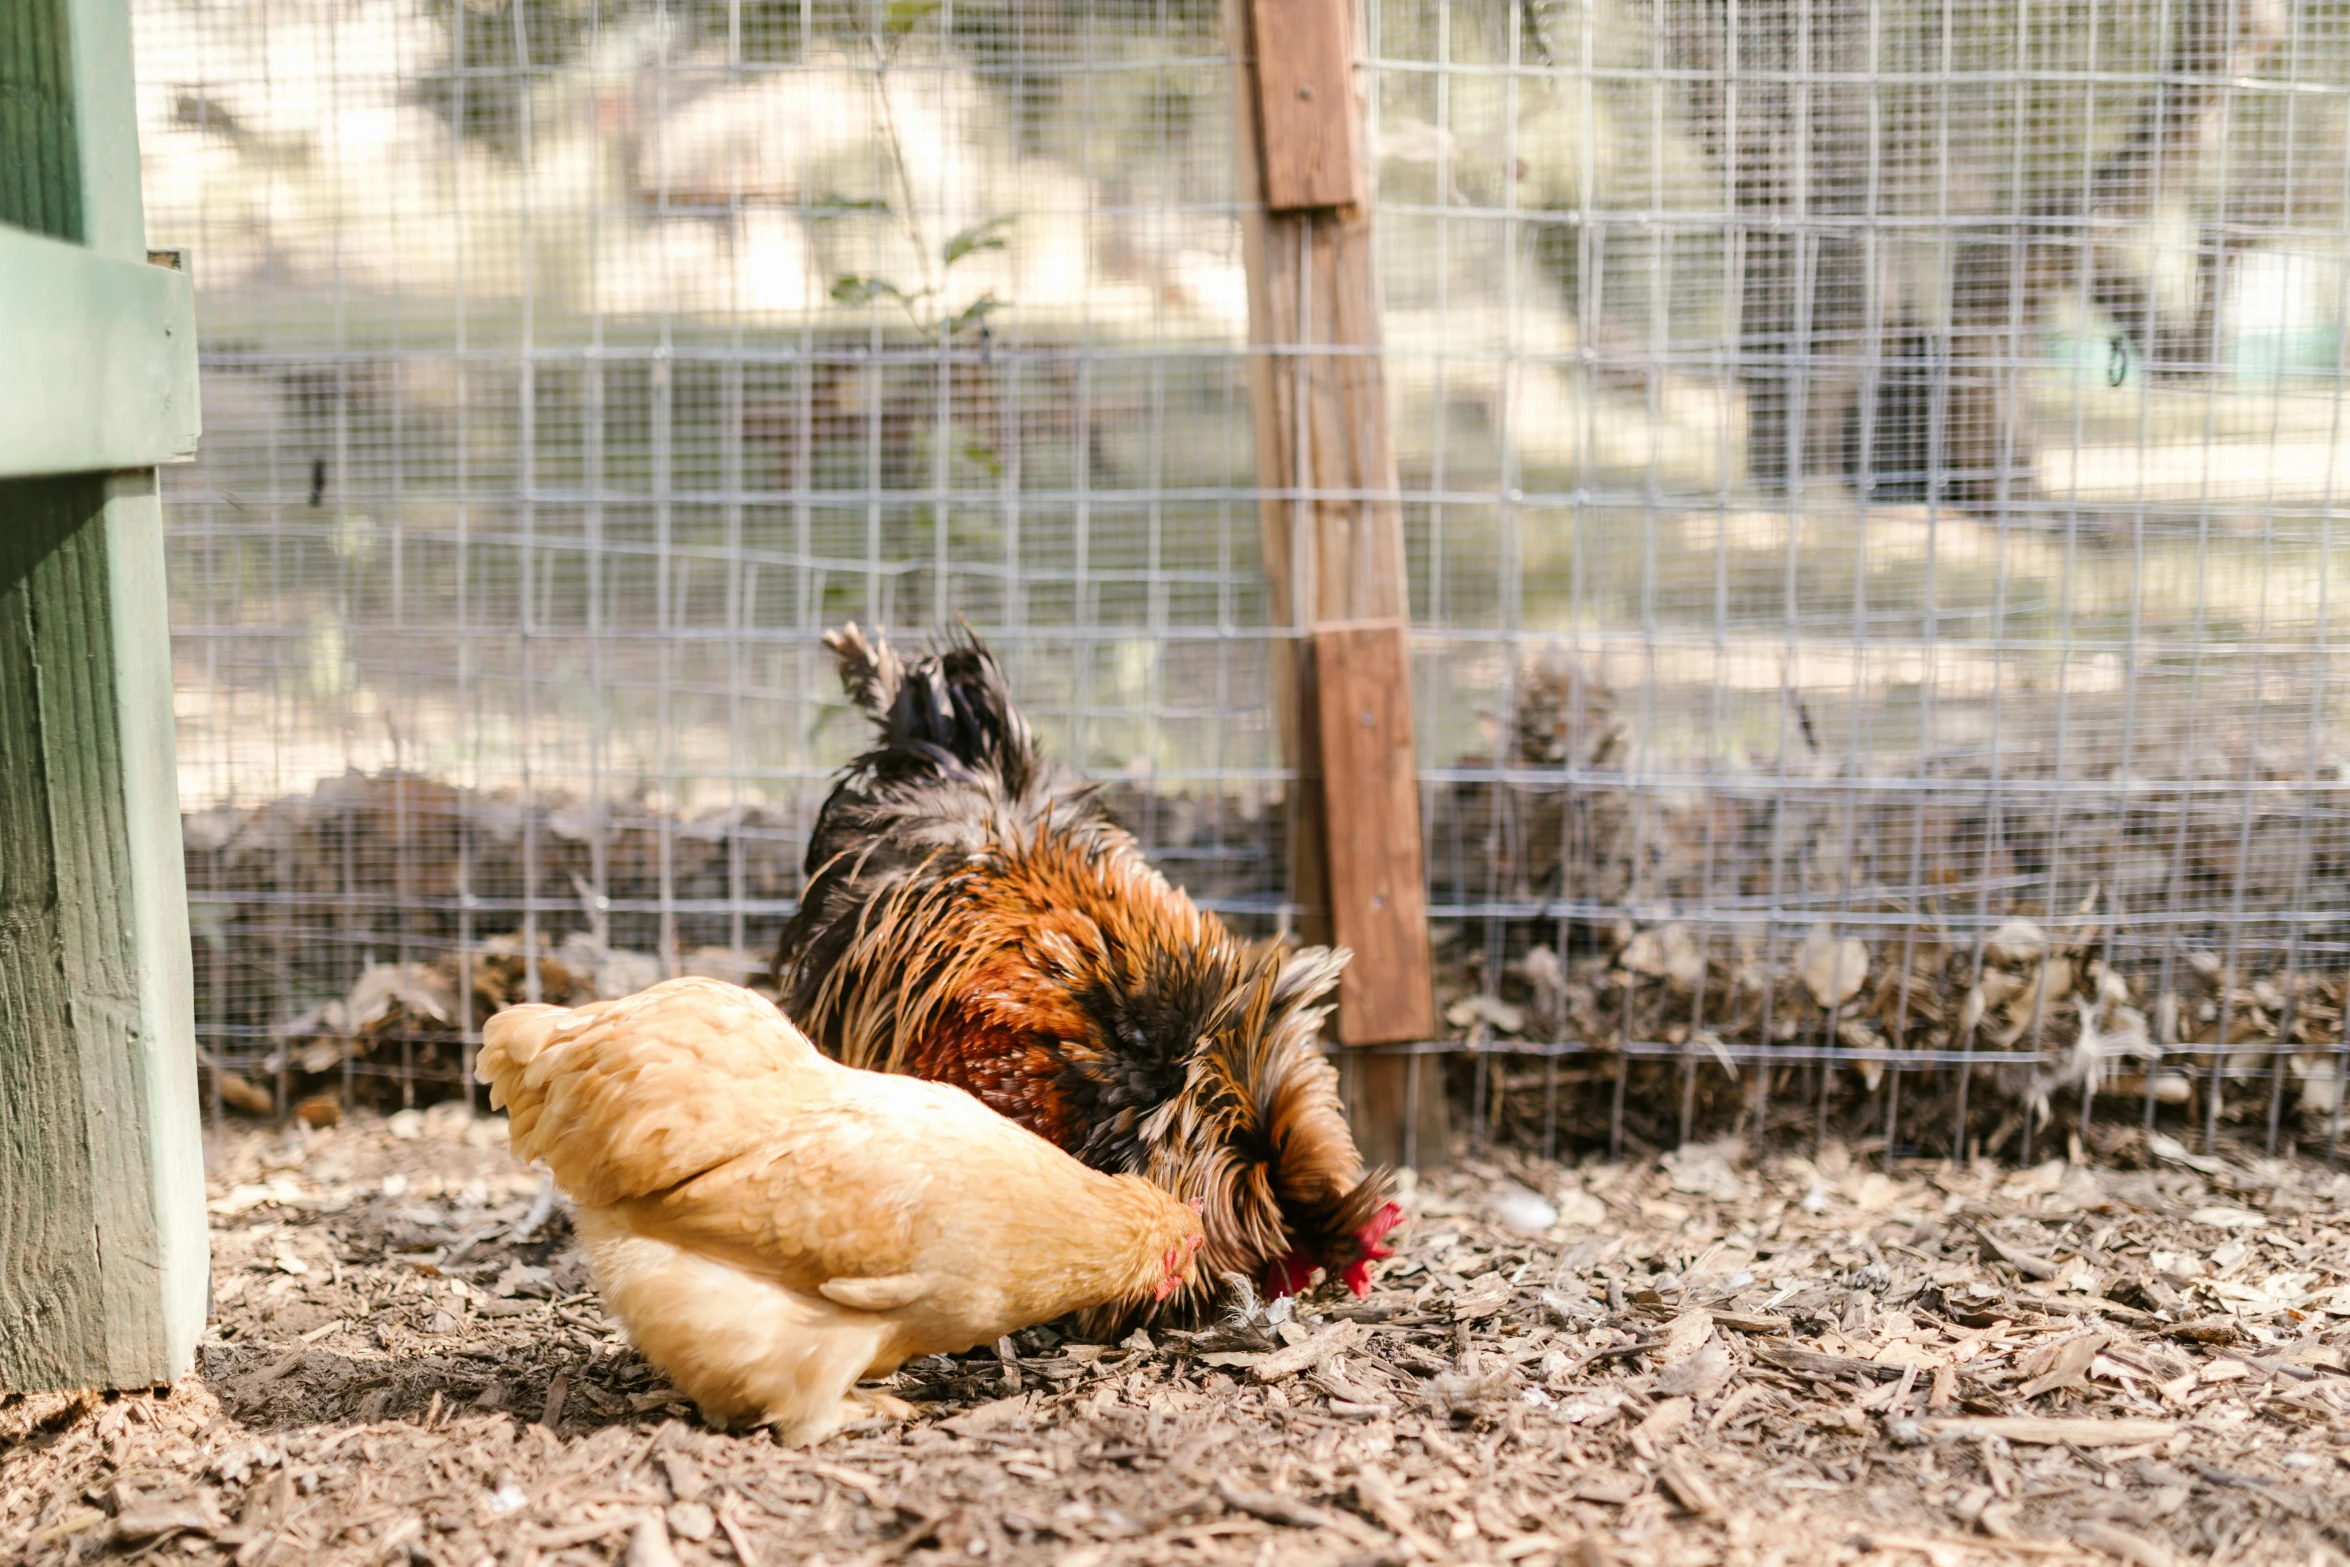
{"points": [[972, 915]]}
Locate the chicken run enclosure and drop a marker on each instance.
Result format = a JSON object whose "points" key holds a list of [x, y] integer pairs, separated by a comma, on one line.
{"points": [[1866, 471]]}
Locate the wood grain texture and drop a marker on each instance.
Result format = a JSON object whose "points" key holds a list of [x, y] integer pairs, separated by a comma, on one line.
{"points": [[1334, 552], [102, 1263], [1306, 104], [51, 1299], [40, 179], [1371, 803], [1320, 421], [1330, 519], [63, 1050]]}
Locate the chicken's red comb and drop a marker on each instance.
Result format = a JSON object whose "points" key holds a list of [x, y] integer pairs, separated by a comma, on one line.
{"points": [[1288, 1275]]}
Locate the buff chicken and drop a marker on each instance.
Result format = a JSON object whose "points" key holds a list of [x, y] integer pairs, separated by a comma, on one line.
{"points": [[972, 915], [772, 1227]]}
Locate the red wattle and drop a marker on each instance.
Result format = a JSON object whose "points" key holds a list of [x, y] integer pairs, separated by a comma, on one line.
{"points": [[1293, 1273]]}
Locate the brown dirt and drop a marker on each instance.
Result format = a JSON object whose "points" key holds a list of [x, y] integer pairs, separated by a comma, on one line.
{"points": [[1705, 1359]]}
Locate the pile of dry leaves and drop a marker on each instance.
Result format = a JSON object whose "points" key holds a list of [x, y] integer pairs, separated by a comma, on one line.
{"points": [[398, 1037], [350, 939], [1705, 1359], [2056, 1037]]}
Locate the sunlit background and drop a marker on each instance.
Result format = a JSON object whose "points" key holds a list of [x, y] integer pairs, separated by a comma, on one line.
{"points": [[1870, 474]]}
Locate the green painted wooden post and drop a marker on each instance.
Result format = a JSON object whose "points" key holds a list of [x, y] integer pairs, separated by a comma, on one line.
{"points": [[103, 1258]]}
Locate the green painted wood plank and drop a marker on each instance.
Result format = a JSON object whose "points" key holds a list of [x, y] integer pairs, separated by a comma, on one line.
{"points": [[106, 127], [52, 1303], [101, 360], [102, 1238], [104, 1257], [162, 969], [40, 178], [167, 1264]]}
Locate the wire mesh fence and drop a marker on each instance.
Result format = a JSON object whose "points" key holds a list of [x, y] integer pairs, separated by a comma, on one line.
{"points": [[1869, 477]]}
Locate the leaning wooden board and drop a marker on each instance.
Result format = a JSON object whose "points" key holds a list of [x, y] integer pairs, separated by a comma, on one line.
{"points": [[1333, 541], [1371, 808], [1306, 105]]}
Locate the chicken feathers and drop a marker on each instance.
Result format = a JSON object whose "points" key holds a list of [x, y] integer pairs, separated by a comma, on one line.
{"points": [[773, 1227], [972, 915]]}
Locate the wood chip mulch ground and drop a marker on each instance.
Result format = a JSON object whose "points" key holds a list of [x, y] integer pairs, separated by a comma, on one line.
{"points": [[1706, 1359]]}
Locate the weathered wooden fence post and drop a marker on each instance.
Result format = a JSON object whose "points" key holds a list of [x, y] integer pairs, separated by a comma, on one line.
{"points": [[1333, 545], [103, 1250]]}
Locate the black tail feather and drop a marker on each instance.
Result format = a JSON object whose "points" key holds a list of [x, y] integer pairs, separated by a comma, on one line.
{"points": [[869, 671], [953, 705]]}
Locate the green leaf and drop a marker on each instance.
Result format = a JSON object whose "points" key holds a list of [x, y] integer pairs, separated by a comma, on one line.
{"points": [[972, 314], [980, 454], [852, 289], [980, 236], [903, 16], [826, 208]]}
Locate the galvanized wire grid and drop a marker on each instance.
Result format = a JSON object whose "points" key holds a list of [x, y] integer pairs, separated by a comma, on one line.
{"points": [[1868, 476]]}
